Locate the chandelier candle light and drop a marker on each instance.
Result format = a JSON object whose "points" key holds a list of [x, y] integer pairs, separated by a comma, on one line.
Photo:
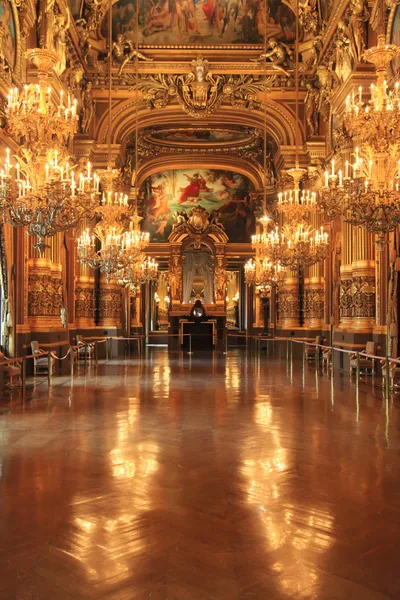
{"points": [[367, 194], [136, 272], [43, 191], [264, 274], [31, 112], [303, 248]]}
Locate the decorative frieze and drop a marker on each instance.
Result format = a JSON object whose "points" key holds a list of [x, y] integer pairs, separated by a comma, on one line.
{"points": [[45, 289]]}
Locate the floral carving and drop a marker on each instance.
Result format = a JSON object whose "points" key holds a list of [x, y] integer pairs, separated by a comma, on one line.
{"points": [[110, 303], [45, 297], [363, 290], [84, 302], [314, 303], [346, 300]]}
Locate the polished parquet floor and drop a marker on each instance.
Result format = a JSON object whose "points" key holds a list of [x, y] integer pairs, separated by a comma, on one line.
{"points": [[215, 478]]}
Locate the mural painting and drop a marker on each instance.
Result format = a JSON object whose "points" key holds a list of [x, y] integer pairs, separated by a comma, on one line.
{"points": [[170, 22], [7, 33], [170, 192]]}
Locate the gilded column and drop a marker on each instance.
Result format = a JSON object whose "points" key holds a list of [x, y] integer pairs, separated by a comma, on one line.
{"points": [[346, 277], [84, 292], [346, 295], [363, 286], [110, 304], [314, 299], [314, 288], [288, 303]]}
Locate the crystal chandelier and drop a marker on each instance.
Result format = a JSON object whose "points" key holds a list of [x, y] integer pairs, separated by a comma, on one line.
{"points": [[105, 248], [332, 195], [303, 249], [377, 121], [46, 195], [43, 191], [268, 244], [368, 194], [137, 272], [31, 113], [264, 274], [293, 203]]}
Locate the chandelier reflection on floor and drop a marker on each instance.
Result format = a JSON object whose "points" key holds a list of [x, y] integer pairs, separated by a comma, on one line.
{"points": [[43, 191]]}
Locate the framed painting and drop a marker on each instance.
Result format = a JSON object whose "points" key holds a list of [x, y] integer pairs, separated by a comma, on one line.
{"points": [[164, 194]]}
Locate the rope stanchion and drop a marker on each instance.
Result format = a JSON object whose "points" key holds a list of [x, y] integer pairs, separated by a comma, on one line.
{"points": [[358, 368], [53, 355], [72, 360], [49, 368], [387, 378], [23, 375]]}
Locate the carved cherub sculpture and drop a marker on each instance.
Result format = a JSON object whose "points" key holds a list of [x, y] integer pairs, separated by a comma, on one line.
{"points": [[277, 54], [123, 51]]}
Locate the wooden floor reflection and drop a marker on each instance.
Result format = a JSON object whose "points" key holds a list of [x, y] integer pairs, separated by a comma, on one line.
{"points": [[205, 479]]}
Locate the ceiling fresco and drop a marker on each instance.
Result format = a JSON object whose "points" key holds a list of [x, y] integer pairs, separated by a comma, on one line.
{"points": [[203, 22]]}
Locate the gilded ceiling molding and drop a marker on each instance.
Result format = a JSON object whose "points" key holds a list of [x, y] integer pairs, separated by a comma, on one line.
{"points": [[280, 121], [246, 142], [201, 91], [152, 165]]}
